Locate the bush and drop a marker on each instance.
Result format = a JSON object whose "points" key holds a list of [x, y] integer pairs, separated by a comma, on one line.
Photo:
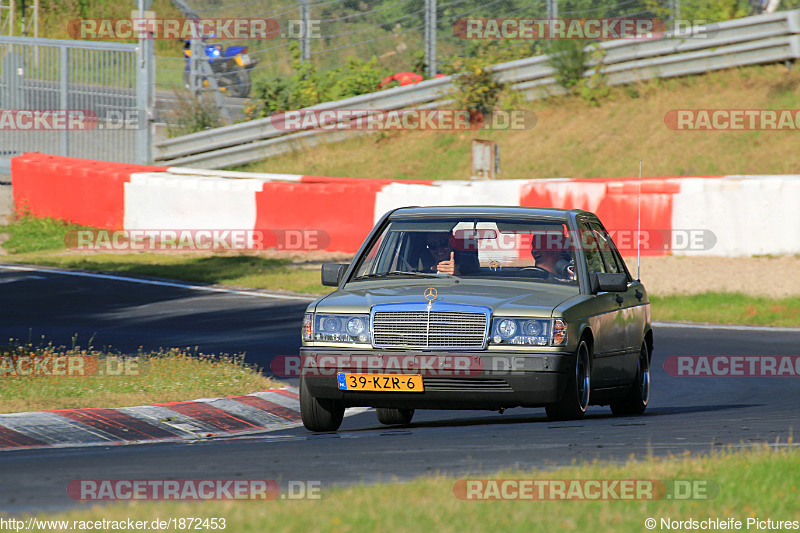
{"points": [[192, 113], [569, 59], [477, 88], [307, 86]]}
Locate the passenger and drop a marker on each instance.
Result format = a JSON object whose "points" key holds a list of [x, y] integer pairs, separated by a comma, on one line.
{"points": [[558, 263]]}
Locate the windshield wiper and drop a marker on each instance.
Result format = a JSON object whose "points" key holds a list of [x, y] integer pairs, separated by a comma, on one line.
{"points": [[401, 273]]}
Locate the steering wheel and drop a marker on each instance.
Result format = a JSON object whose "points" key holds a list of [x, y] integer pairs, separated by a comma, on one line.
{"points": [[538, 272]]}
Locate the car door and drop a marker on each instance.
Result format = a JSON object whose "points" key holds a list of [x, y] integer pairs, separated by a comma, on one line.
{"points": [[607, 321], [631, 315]]}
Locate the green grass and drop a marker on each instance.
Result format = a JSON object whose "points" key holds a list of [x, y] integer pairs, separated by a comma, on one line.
{"points": [[727, 308], [575, 139], [41, 242], [31, 234], [249, 271], [104, 379], [755, 483]]}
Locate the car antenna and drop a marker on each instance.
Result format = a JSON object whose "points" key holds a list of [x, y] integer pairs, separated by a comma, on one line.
{"points": [[639, 224]]}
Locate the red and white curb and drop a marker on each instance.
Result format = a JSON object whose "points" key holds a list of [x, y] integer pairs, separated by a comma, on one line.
{"points": [[199, 419]]}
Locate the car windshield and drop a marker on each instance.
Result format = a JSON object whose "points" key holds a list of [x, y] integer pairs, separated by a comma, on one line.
{"points": [[537, 250]]}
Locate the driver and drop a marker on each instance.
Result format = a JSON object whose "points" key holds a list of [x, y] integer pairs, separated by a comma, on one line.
{"points": [[445, 259]]}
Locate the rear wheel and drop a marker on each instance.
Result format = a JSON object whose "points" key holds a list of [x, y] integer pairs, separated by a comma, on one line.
{"points": [[636, 401], [319, 414], [576, 398], [394, 417]]}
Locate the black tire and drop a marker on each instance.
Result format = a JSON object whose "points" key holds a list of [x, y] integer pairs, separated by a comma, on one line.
{"points": [[319, 414], [237, 81], [394, 417], [573, 404], [636, 401]]}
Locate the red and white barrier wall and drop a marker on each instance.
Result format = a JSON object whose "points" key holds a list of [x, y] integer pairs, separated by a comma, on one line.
{"points": [[745, 215]]}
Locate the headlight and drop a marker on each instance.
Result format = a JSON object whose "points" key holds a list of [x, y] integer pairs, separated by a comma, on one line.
{"points": [[338, 328], [507, 328], [529, 331]]}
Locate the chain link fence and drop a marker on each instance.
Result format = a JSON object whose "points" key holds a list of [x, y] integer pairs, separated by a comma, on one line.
{"points": [[413, 35]]}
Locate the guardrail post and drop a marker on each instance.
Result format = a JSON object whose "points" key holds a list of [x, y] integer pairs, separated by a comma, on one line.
{"points": [[305, 38], [64, 96], [145, 95], [430, 37]]}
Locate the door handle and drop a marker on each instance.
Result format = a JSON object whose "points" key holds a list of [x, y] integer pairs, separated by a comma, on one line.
{"points": [[639, 295], [619, 299]]}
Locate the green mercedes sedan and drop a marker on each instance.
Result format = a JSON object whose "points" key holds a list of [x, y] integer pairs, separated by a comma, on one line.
{"points": [[477, 308]]}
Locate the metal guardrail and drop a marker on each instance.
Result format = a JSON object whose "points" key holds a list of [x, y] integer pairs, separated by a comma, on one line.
{"points": [[753, 40]]}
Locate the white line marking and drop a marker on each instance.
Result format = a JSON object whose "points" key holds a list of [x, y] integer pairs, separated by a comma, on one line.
{"points": [[689, 325], [157, 283]]}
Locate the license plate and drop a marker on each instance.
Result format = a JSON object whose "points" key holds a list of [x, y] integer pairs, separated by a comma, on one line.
{"points": [[380, 382], [245, 59]]}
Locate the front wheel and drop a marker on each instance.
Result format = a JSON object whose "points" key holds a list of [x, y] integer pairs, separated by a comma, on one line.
{"points": [[237, 82], [576, 398], [394, 417], [636, 401], [319, 414]]}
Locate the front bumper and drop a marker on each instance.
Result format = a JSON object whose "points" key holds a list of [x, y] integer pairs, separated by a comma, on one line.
{"points": [[462, 380]]}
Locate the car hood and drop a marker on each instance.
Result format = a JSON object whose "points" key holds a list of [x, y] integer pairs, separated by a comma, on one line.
{"points": [[526, 299]]}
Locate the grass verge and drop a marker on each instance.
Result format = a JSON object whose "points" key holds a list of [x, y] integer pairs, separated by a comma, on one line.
{"points": [[727, 308], [758, 483], [45, 377], [41, 242]]}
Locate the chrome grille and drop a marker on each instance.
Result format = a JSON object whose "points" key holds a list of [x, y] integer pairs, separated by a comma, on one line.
{"points": [[429, 329]]}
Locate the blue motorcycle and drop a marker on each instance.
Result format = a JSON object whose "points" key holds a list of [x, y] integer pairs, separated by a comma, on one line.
{"points": [[231, 67]]}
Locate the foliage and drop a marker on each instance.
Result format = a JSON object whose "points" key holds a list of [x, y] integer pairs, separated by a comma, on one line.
{"points": [[308, 86], [477, 88], [192, 113], [571, 60], [702, 10]]}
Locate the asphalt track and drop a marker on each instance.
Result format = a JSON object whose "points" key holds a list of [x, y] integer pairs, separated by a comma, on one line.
{"points": [[694, 414]]}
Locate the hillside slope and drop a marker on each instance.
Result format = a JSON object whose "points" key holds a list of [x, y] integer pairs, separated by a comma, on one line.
{"points": [[575, 139]]}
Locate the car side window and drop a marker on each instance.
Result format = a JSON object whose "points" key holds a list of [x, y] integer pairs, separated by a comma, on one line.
{"points": [[606, 250], [591, 248]]}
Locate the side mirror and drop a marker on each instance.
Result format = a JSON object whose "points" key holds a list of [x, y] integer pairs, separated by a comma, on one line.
{"points": [[608, 282], [332, 274]]}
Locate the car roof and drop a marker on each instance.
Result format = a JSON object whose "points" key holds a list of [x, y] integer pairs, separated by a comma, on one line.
{"points": [[485, 210]]}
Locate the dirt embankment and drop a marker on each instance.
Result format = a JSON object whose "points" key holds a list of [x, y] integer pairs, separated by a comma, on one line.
{"points": [[773, 277]]}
